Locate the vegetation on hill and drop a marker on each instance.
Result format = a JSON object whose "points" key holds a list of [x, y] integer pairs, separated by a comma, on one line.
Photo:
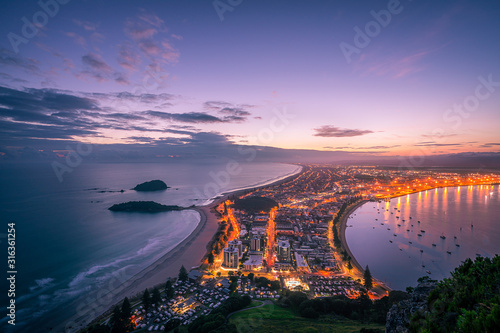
{"points": [[468, 301], [255, 204], [153, 185], [361, 308], [142, 207]]}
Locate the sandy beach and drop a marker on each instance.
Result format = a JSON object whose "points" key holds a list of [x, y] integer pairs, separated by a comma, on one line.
{"points": [[382, 288], [190, 253], [343, 226]]}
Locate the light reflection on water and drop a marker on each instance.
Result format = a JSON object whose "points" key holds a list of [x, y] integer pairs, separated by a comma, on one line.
{"points": [[468, 219]]}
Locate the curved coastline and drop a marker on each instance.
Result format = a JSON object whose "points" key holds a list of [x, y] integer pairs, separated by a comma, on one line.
{"points": [[343, 225], [382, 288], [190, 252]]}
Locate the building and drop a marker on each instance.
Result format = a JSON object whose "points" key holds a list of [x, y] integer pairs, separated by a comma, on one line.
{"points": [[237, 245], [301, 264], [284, 254], [254, 262], [256, 244], [230, 258]]}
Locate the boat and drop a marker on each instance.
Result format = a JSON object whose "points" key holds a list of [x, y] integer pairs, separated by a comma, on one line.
{"points": [[433, 244], [421, 251], [381, 224], [448, 252], [376, 219], [410, 243], [395, 235], [419, 235], [457, 245], [408, 230], [423, 265], [422, 231], [428, 272], [399, 225], [403, 220], [388, 228], [442, 237], [390, 241], [455, 237], [397, 217], [418, 222]]}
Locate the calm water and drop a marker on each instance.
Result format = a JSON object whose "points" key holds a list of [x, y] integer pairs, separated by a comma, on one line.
{"points": [[69, 244], [445, 212]]}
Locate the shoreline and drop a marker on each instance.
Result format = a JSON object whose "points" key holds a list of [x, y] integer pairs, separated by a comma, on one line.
{"points": [[189, 252], [433, 188], [342, 228], [382, 287]]}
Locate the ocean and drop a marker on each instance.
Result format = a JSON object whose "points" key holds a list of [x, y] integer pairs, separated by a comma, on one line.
{"points": [[467, 216], [68, 243]]}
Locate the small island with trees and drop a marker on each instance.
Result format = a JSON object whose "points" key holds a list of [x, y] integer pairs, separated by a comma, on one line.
{"points": [[143, 207], [153, 185]]}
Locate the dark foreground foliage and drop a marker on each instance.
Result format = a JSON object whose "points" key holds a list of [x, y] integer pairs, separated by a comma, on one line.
{"points": [[255, 204], [465, 302]]}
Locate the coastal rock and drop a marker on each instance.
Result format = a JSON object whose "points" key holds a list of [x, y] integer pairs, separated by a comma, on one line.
{"points": [[153, 185], [398, 317], [143, 207]]}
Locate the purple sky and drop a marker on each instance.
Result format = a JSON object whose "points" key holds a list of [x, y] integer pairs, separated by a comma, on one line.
{"points": [[289, 74]]}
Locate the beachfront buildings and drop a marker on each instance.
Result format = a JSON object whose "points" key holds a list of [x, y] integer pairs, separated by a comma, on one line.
{"points": [[284, 251], [237, 244], [231, 257]]}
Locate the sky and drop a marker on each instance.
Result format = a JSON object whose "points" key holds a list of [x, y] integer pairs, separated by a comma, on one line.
{"points": [[380, 78]]}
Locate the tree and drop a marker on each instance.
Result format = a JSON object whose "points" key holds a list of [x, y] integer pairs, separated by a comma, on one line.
{"points": [[126, 309], [368, 279], [146, 300], [210, 258], [116, 321], [349, 265], [251, 276], [169, 290], [183, 274], [126, 313], [156, 297]]}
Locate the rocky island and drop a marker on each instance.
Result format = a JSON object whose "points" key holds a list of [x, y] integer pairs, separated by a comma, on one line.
{"points": [[153, 185], [143, 207]]}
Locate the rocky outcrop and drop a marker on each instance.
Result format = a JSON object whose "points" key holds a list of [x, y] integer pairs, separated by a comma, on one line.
{"points": [[398, 317]]}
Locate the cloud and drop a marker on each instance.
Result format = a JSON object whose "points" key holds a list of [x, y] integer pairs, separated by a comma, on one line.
{"points": [[9, 58], [435, 144], [328, 131], [87, 25], [96, 62], [189, 117], [229, 111], [149, 34], [127, 58], [490, 144], [77, 38], [152, 19], [99, 70]]}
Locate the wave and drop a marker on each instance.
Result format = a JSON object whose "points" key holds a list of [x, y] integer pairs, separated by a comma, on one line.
{"points": [[42, 283]]}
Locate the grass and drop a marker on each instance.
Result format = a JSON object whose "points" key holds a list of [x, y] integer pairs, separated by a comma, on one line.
{"points": [[253, 304], [274, 319]]}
